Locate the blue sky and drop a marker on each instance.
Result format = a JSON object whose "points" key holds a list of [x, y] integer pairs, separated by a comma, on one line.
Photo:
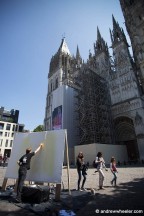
{"points": [[31, 32]]}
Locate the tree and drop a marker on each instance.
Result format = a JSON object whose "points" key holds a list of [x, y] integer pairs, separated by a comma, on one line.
{"points": [[39, 128]]}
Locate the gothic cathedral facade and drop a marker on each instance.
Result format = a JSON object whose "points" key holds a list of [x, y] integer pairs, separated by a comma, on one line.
{"points": [[117, 115]]}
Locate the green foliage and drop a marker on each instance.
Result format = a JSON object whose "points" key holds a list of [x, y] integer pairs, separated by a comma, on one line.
{"points": [[39, 128]]}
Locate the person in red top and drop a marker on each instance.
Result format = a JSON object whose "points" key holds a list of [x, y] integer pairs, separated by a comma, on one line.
{"points": [[113, 170]]}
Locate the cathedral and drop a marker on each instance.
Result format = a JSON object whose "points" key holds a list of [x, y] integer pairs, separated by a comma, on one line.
{"points": [[101, 100]]}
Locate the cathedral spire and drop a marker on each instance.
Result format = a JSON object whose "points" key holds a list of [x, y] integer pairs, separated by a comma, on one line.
{"points": [[77, 53], [100, 44], [117, 34], [61, 57], [98, 34], [78, 58], [115, 24], [64, 47]]}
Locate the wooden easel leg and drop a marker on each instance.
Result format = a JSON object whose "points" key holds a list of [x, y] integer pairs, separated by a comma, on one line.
{"points": [[4, 184], [68, 168], [58, 191]]}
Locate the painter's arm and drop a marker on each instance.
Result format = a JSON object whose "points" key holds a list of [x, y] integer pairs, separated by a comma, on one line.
{"points": [[40, 146], [18, 162]]}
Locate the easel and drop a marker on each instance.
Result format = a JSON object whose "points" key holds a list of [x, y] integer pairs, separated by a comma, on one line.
{"points": [[58, 186]]}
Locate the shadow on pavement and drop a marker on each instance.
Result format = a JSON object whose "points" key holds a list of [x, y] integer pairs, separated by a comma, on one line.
{"points": [[127, 196]]}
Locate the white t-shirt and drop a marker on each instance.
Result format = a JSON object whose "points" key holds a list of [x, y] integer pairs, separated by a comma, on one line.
{"points": [[101, 164]]}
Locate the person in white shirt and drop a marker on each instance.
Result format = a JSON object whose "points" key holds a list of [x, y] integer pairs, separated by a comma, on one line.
{"points": [[100, 165]]}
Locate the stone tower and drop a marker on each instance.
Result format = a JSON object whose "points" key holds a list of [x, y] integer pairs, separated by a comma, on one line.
{"points": [[133, 11], [127, 103], [59, 73], [102, 57], [93, 98]]}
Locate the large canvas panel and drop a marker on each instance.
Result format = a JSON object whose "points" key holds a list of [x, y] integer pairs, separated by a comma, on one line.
{"points": [[46, 165]]}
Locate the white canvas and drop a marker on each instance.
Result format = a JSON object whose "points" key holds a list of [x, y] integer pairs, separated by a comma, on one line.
{"points": [[46, 165]]}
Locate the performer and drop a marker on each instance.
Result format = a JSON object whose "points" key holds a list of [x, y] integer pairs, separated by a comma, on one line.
{"points": [[24, 165], [100, 165], [114, 171], [81, 170]]}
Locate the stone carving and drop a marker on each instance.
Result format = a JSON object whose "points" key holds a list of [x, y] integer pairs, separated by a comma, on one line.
{"points": [[138, 119]]}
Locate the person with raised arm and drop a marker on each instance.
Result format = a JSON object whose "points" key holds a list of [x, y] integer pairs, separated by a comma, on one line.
{"points": [[24, 165]]}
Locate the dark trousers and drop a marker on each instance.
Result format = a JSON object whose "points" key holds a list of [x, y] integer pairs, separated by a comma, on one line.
{"points": [[21, 178], [80, 174]]}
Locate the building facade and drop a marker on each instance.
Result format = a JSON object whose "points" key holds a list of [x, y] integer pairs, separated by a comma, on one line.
{"points": [[8, 126], [126, 96], [109, 96], [133, 12]]}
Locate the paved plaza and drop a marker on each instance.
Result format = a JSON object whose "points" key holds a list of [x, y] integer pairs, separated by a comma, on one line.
{"points": [[127, 197]]}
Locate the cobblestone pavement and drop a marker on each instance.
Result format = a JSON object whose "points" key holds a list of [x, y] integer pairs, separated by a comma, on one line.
{"points": [[127, 197]]}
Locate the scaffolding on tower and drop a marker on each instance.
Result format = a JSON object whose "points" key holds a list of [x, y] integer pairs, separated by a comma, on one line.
{"points": [[93, 108]]}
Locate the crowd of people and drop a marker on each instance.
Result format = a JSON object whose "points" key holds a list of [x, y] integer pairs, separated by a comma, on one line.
{"points": [[82, 167], [100, 165], [3, 160]]}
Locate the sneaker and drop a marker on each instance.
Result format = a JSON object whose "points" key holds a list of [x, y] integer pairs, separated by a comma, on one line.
{"points": [[93, 192], [83, 189], [102, 188], [79, 189]]}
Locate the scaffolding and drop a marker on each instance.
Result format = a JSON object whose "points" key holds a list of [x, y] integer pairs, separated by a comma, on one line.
{"points": [[93, 107]]}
